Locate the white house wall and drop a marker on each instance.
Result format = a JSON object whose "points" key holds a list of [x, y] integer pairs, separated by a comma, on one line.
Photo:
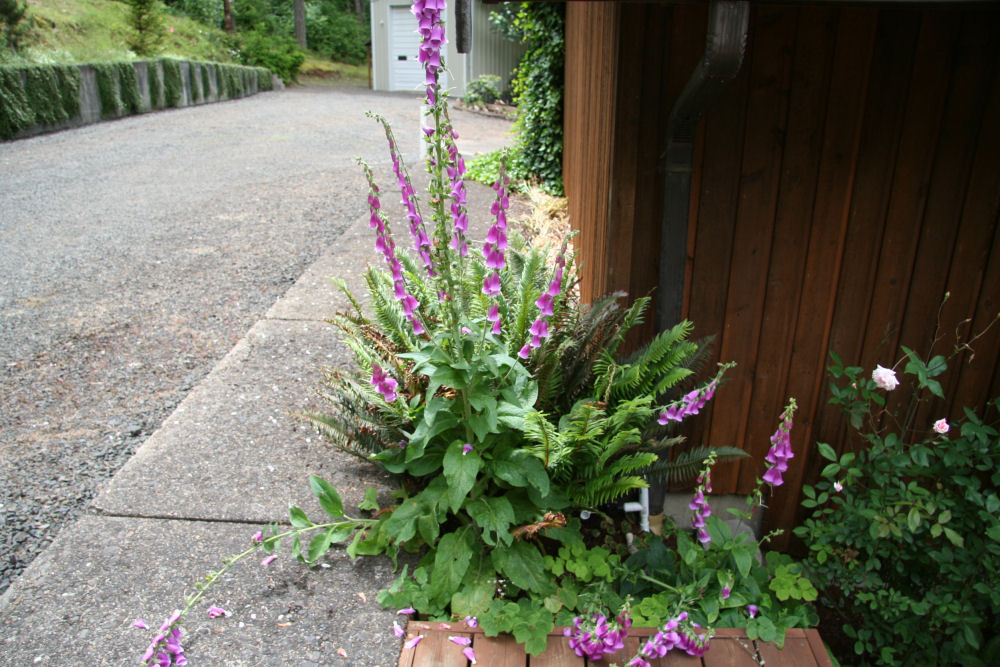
{"points": [[489, 53]]}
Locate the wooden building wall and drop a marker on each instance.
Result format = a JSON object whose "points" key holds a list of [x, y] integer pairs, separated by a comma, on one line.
{"points": [[844, 183]]}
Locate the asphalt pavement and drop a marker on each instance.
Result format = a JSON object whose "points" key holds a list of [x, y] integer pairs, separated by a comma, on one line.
{"points": [[164, 281]]}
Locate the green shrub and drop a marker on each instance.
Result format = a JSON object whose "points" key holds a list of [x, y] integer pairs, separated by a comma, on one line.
{"points": [[15, 112], [484, 90], [129, 88], [264, 81], [155, 85], [904, 539], [196, 92], [336, 34], [173, 83], [52, 92], [538, 87], [281, 55], [146, 21], [107, 90]]}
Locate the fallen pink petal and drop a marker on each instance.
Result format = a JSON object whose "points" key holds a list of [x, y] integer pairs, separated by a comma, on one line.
{"points": [[469, 654], [410, 643], [215, 612], [267, 561], [461, 641], [141, 624]]}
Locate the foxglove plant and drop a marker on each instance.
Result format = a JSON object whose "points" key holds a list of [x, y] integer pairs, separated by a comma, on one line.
{"points": [[500, 401]]}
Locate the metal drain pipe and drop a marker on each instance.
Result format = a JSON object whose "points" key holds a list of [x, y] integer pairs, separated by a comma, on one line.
{"points": [[725, 46]]}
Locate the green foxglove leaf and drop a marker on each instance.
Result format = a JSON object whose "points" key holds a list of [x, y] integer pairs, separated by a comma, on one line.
{"points": [[460, 470], [328, 497], [451, 560], [522, 563], [494, 516], [402, 525]]}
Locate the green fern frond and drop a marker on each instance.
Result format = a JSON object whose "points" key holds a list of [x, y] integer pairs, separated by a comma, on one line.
{"points": [[688, 464], [603, 491], [548, 445], [633, 317]]}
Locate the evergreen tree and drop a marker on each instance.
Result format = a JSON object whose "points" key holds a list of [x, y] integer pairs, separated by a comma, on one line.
{"points": [[146, 20], [12, 15]]}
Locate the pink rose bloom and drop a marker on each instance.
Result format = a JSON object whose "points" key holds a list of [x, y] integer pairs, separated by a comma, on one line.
{"points": [[941, 426], [885, 378]]}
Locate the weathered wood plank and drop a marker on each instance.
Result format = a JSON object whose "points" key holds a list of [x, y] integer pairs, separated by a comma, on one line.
{"points": [[825, 250], [766, 117], [810, 80]]}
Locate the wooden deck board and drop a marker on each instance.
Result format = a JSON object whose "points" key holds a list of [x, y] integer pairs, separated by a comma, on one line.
{"points": [[729, 648]]}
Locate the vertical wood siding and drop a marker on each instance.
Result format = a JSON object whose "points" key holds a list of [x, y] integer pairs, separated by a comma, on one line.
{"points": [[844, 183]]}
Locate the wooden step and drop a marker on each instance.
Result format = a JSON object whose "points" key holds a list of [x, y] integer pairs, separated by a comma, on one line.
{"points": [[728, 648]]}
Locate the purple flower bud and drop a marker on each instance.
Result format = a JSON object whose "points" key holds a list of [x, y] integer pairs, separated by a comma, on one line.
{"points": [[471, 621], [466, 448], [752, 610], [257, 537], [524, 352]]}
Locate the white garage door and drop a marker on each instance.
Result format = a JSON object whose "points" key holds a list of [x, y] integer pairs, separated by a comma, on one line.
{"points": [[405, 70]]}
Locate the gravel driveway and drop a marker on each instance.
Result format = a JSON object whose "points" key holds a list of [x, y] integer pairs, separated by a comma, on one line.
{"points": [[134, 254]]}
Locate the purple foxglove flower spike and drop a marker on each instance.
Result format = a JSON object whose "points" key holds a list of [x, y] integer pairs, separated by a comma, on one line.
{"points": [[781, 447]]}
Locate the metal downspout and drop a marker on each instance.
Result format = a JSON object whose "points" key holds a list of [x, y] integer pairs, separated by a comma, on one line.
{"points": [[725, 46]]}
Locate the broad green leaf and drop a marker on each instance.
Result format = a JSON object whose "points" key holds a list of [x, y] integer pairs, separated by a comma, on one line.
{"points": [[474, 595], [460, 471], [328, 497], [743, 558], [509, 472], [494, 516], [402, 525], [370, 501], [523, 565], [451, 560], [954, 537], [319, 545], [913, 519], [298, 517], [827, 452]]}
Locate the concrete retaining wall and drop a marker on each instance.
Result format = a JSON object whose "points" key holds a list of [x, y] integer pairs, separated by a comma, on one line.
{"points": [[158, 88]]}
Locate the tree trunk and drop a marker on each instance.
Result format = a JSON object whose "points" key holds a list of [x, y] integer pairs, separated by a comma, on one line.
{"points": [[227, 17], [359, 12], [300, 22]]}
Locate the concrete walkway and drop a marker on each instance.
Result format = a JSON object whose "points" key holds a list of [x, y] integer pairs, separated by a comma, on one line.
{"points": [[230, 458]]}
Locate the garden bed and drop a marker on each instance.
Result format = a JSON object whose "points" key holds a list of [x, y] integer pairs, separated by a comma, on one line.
{"points": [[729, 648]]}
